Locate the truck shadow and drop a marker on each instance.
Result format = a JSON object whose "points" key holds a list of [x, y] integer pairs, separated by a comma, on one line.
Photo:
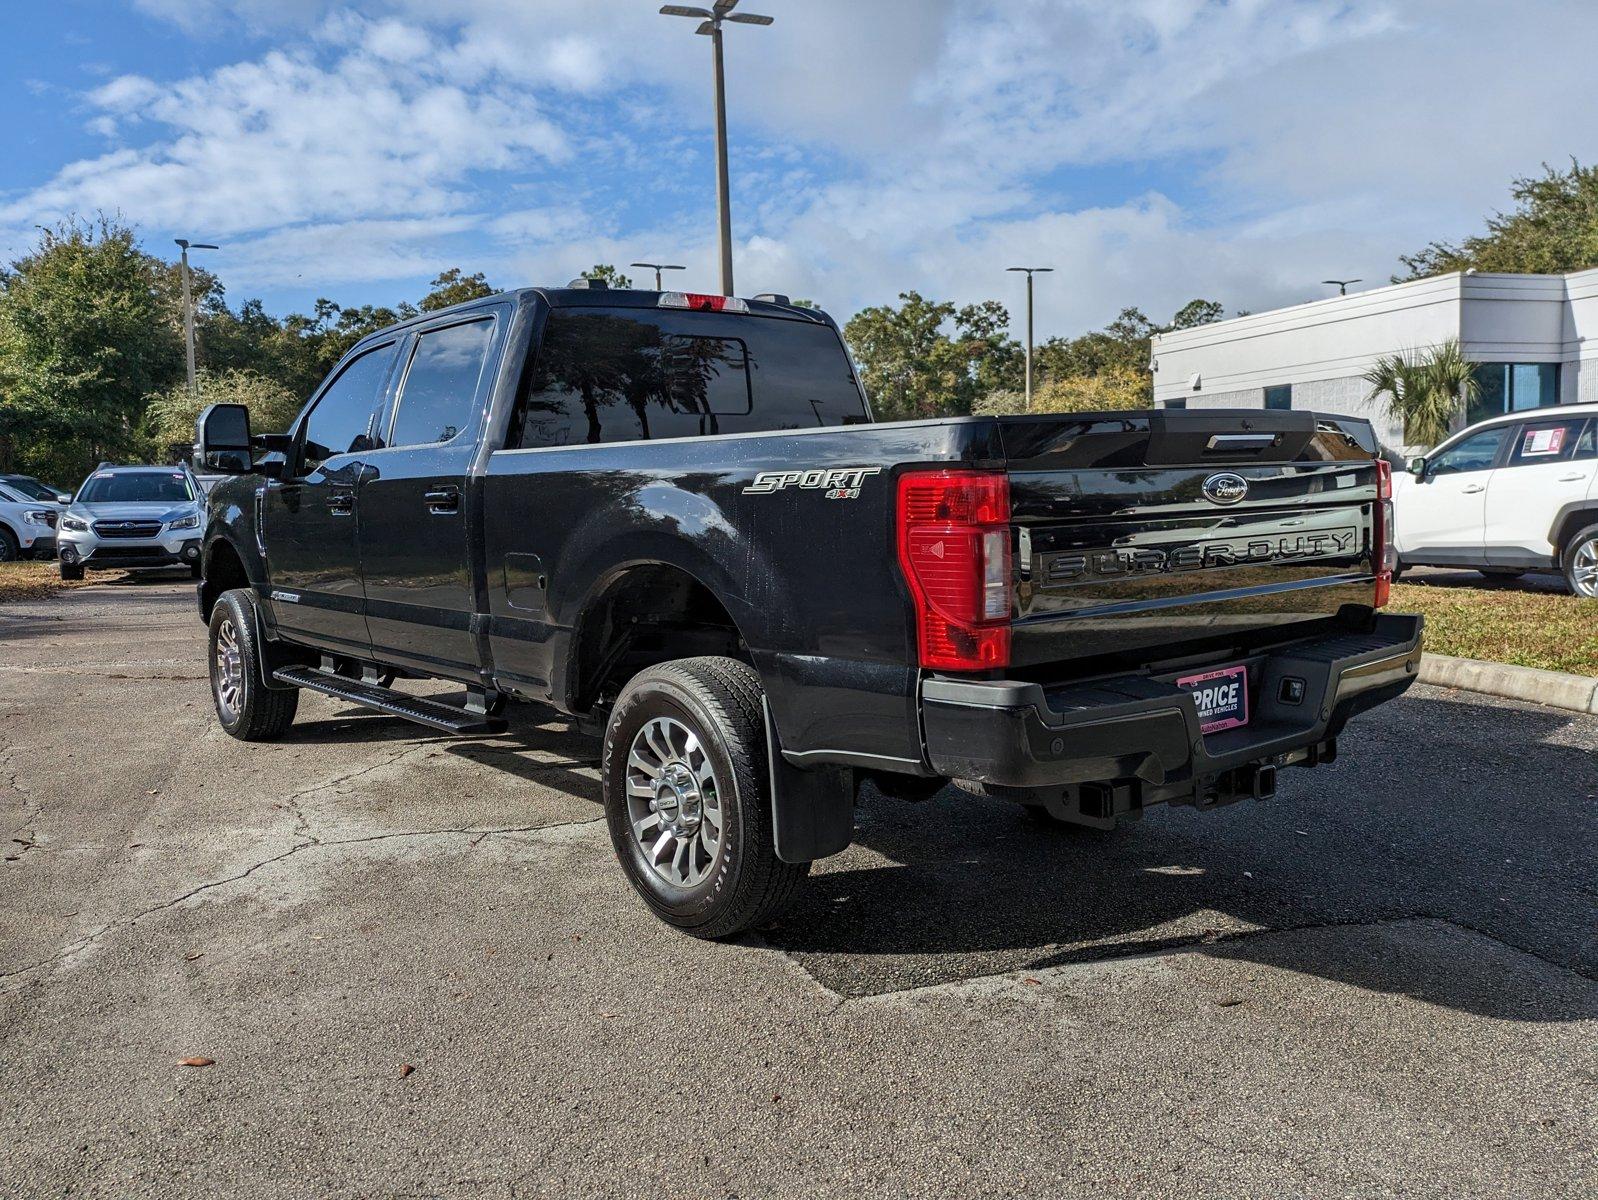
{"points": [[1473, 859]]}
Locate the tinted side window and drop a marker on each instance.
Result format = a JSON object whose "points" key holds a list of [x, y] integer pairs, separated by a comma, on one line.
{"points": [[438, 399], [1545, 442], [626, 375], [341, 422], [1476, 453]]}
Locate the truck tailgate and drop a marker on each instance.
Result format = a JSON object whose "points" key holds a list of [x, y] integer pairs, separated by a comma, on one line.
{"points": [[1184, 531]]}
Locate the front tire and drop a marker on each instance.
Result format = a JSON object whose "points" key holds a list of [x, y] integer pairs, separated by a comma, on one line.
{"points": [[245, 707], [688, 800], [10, 551], [1580, 562]]}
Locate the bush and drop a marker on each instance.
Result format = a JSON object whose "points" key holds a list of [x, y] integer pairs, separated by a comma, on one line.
{"points": [[170, 416]]}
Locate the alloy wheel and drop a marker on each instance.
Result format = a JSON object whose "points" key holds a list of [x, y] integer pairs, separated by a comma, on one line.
{"points": [[1584, 568], [673, 802], [227, 672]]}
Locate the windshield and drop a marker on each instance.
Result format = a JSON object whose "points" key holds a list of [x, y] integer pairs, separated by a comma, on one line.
{"points": [[29, 487], [136, 487]]}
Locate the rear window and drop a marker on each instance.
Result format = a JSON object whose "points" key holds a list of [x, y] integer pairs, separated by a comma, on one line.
{"points": [[136, 487], [626, 375]]}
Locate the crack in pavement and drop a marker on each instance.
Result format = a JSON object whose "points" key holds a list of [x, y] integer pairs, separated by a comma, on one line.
{"points": [[87, 940], [305, 840], [1132, 951]]}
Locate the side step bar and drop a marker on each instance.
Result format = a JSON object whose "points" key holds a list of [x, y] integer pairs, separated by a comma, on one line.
{"points": [[435, 714]]}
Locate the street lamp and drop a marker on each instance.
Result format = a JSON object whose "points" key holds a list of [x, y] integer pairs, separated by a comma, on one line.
{"points": [[188, 307], [1342, 284], [1030, 271], [657, 268], [711, 27]]}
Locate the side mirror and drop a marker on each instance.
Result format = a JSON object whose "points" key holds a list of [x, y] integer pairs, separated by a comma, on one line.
{"points": [[222, 440], [64, 499], [1417, 467]]}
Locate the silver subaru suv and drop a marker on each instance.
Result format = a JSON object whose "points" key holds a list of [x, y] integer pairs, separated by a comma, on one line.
{"points": [[126, 517]]}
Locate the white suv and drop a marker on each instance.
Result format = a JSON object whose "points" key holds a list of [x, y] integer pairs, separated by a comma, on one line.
{"points": [[27, 523], [1513, 494]]}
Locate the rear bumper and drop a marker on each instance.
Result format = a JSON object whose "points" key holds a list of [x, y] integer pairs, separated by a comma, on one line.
{"points": [[1028, 735]]}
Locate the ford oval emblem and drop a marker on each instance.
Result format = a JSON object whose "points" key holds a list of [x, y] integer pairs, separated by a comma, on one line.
{"points": [[1228, 487]]}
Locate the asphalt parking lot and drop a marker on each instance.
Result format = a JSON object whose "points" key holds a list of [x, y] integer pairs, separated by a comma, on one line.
{"points": [[1380, 983]]}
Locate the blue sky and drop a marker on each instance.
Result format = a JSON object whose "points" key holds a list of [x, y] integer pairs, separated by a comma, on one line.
{"points": [[1150, 150]]}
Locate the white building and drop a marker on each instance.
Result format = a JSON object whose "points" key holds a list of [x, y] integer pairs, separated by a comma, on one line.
{"points": [[1535, 336]]}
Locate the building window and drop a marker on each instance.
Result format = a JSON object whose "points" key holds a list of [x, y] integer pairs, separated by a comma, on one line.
{"points": [[1280, 396], [1178, 403], [1513, 387]]}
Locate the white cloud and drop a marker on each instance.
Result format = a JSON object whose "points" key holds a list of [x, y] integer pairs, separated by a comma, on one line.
{"points": [[1153, 150]]}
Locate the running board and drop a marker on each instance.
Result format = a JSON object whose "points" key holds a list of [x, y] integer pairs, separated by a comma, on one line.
{"points": [[435, 714]]}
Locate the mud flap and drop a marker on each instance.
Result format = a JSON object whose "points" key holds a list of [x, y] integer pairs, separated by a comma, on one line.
{"points": [[812, 811]]}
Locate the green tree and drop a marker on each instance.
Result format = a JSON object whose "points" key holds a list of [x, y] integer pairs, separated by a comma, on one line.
{"points": [[1197, 312], [1553, 230], [926, 358], [88, 329], [454, 286], [608, 275], [1426, 390], [169, 416]]}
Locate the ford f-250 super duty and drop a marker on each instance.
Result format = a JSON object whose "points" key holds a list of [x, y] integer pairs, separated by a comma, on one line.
{"points": [[669, 516]]}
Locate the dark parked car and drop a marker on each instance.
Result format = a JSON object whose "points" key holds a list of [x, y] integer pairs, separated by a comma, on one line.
{"points": [[670, 516]]}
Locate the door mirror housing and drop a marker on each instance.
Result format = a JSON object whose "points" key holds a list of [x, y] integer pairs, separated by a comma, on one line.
{"points": [[222, 440], [1417, 467], [64, 499]]}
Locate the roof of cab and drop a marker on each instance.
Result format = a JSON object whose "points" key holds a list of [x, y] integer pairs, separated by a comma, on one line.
{"points": [[600, 297]]}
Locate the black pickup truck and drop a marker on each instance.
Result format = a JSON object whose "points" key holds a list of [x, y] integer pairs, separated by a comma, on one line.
{"points": [[670, 516]]}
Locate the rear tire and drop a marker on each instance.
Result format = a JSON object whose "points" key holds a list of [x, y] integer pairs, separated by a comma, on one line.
{"points": [[688, 799], [1580, 562], [71, 572], [245, 707]]}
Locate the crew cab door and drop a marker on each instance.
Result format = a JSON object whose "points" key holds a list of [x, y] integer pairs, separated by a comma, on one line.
{"points": [[416, 509], [1446, 510], [309, 521], [1550, 464]]}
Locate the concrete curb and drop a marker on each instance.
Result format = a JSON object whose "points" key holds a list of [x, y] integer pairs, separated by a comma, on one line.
{"points": [[1578, 693]]}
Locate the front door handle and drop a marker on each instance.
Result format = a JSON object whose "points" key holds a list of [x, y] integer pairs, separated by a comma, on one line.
{"points": [[441, 501], [1471, 490], [341, 504], [1578, 477]]}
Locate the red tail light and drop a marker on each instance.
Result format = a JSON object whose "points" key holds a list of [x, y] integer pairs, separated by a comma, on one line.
{"points": [[954, 549], [1382, 533]]}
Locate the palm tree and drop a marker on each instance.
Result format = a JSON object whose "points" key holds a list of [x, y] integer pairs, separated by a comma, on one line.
{"points": [[1426, 390]]}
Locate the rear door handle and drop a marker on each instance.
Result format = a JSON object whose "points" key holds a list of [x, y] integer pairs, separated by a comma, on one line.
{"points": [[1578, 477], [341, 504], [1471, 490], [441, 501]]}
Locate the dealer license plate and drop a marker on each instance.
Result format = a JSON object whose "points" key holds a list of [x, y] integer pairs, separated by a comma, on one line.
{"points": [[1221, 696]]}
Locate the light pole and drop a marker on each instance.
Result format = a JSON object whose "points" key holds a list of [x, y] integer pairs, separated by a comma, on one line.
{"points": [[188, 308], [657, 268], [1030, 271], [1342, 284], [711, 27]]}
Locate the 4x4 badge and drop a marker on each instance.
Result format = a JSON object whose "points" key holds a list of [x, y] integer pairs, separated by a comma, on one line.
{"points": [[1228, 487]]}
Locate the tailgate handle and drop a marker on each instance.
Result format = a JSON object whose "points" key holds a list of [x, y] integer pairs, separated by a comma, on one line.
{"points": [[1242, 441]]}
